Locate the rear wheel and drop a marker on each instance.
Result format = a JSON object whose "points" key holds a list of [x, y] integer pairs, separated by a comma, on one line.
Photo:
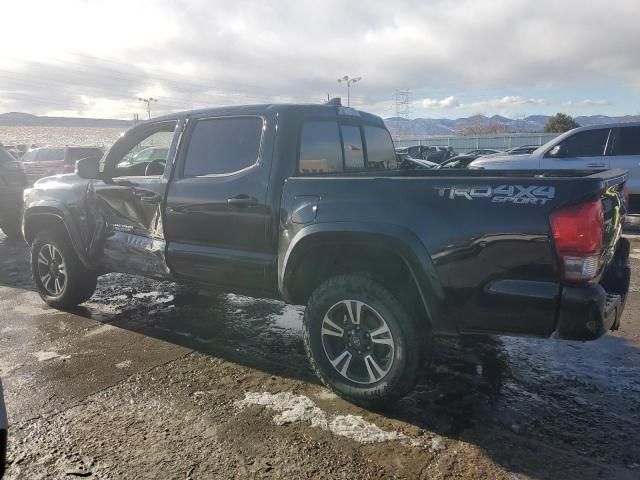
{"points": [[60, 277], [361, 341]]}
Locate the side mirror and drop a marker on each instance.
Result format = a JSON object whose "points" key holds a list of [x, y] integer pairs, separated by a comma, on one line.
{"points": [[559, 151], [88, 168]]}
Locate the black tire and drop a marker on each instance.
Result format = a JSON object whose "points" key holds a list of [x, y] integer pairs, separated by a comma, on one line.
{"points": [[79, 283], [406, 337]]}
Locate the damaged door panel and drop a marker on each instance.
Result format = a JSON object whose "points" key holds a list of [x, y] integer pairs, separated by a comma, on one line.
{"points": [[130, 207]]}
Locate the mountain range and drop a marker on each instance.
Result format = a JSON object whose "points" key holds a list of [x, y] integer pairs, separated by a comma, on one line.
{"points": [[417, 127], [421, 127]]}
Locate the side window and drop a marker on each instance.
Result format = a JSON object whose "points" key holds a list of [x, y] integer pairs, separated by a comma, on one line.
{"points": [[380, 150], [353, 152], [29, 156], [320, 149], [587, 144], [223, 145], [146, 153], [628, 141], [50, 154]]}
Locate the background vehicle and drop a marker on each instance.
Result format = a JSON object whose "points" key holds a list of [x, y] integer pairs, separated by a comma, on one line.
{"points": [[12, 184], [320, 215], [483, 151], [46, 161], [594, 148], [138, 163], [459, 161], [524, 149]]}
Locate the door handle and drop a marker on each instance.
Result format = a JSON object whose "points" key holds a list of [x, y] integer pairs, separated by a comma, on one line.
{"points": [[596, 165], [242, 201], [145, 197]]}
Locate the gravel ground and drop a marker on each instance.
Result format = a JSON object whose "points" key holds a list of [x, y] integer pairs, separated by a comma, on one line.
{"points": [[154, 380]]}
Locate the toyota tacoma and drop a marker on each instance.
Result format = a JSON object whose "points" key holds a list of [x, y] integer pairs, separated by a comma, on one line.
{"points": [[307, 203]]}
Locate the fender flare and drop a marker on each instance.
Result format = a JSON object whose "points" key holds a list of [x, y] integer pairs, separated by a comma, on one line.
{"points": [[394, 238], [51, 209]]}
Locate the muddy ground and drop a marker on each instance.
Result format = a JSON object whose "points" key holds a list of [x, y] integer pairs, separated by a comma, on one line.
{"points": [[153, 380]]}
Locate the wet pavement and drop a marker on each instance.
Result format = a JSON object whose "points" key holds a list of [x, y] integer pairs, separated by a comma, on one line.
{"points": [[154, 380]]}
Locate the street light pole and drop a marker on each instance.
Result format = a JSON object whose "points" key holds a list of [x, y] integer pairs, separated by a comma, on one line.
{"points": [[349, 81], [148, 102]]}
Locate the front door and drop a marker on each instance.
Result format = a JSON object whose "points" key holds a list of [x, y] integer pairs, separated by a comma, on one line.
{"points": [[583, 151], [217, 210], [128, 205]]}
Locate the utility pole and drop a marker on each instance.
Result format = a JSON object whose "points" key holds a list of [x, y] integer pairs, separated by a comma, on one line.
{"points": [[349, 81], [148, 102], [403, 109]]}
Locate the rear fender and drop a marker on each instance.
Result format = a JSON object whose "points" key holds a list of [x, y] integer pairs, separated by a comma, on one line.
{"points": [[392, 238]]}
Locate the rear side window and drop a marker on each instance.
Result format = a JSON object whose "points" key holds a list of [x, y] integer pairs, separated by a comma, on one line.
{"points": [[628, 141], [380, 150], [353, 151], [320, 149], [587, 144], [223, 145], [50, 154]]}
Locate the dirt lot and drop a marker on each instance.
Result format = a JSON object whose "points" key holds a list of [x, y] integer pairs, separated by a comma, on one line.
{"points": [[151, 380]]}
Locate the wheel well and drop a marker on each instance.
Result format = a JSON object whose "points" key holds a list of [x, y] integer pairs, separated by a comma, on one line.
{"points": [[42, 221], [320, 260]]}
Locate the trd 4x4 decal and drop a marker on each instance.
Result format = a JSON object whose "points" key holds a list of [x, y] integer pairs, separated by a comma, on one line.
{"points": [[519, 194]]}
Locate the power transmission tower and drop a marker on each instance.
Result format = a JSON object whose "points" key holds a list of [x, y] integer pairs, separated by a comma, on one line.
{"points": [[403, 109]]}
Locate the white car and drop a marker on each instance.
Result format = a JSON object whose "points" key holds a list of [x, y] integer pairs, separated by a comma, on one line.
{"points": [[592, 148]]}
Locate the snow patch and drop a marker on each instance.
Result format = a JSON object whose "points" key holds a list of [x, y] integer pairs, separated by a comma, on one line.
{"points": [[299, 408], [45, 356], [122, 365], [100, 330]]}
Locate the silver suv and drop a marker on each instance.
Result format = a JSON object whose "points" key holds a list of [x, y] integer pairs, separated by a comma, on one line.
{"points": [[598, 148]]}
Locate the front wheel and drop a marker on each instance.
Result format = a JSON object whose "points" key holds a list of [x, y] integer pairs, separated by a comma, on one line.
{"points": [[361, 341], [62, 280]]}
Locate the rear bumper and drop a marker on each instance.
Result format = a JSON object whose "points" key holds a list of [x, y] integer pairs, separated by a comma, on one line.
{"points": [[587, 313]]}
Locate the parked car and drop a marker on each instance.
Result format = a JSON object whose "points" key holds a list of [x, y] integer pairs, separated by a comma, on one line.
{"points": [[147, 158], [4, 427], [46, 161], [522, 150], [459, 161], [306, 203], [483, 151], [12, 184], [440, 154], [409, 163], [591, 148]]}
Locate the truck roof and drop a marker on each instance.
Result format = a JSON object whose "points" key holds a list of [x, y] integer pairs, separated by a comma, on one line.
{"points": [[316, 110]]}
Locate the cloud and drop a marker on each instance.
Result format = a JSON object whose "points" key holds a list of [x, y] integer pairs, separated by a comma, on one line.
{"points": [[211, 52], [448, 102], [595, 103], [506, 102]]}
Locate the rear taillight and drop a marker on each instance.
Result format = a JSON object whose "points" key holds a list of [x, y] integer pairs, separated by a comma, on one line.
{"points": [[578, 235]]}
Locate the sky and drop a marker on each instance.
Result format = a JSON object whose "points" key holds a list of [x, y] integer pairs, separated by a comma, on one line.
{"points": [[96, 58]]}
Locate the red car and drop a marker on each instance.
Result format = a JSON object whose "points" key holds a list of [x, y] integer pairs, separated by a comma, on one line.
{"points": [[46, 161]]}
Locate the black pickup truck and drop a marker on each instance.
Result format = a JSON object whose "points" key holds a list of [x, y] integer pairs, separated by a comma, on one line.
{"points": [[306, 203]]}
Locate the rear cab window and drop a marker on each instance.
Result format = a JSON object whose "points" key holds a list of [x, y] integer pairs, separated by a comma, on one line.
{"points": [[223, 146], [627, 141], [327, 146]]}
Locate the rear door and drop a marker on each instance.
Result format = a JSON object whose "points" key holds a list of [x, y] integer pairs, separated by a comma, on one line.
{"points": [[625, 154], [217, 209], [585, 150]]}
